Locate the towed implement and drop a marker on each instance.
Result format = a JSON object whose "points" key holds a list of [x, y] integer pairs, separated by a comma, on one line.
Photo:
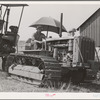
{"points": [[8, 39]]}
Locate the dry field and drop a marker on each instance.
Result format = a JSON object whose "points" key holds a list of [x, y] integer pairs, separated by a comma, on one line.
{"points": [[10, 85]]}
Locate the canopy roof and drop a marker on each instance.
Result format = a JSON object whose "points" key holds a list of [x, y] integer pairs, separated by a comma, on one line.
{"points": [[14, 5]]}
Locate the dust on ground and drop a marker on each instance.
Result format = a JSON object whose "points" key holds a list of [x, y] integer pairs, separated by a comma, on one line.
{"points": [[11, 85]]}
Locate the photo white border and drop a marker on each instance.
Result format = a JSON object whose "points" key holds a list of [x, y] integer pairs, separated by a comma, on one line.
{"points": [[43, 95]]}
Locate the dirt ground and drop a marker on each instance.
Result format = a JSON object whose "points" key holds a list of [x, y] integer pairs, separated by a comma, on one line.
{"points": [[8, 84]]}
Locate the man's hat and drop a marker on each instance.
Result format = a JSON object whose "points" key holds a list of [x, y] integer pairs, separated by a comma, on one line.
{"points": [[14, 28], [39, 27]]}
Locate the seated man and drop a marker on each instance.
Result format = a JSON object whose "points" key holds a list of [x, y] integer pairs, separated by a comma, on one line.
{"points": [[9, 40], [37, 38], [11, 35]]}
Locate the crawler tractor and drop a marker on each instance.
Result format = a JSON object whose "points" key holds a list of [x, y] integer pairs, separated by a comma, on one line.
{"points": [[58, 61], [62, 60]]}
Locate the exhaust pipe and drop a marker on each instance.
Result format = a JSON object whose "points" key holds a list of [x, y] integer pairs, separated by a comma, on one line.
{"points": [[61, 20]]}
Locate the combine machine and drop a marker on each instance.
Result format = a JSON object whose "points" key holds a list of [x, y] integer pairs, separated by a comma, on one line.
{"points": [[8, 39]]}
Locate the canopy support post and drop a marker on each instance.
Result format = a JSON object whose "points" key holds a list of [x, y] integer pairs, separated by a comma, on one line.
{"points": [[47, 32], [6, 27], [21, 17], [19, 24]]}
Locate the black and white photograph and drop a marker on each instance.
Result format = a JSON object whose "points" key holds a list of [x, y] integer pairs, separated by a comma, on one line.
{"points": [[50, 47]]}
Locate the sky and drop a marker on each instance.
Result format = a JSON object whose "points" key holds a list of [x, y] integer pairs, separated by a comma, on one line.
{"points": [[74, 15]]}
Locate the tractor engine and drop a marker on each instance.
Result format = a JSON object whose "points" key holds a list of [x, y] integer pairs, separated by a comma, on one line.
{"points": [[76, 52], [63, 52]]}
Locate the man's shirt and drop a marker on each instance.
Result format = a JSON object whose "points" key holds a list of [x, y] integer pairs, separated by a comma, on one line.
{"points": [[38, 36]]}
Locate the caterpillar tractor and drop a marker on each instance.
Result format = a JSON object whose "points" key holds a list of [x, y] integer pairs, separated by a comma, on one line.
{"points": [[58, 61]]}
